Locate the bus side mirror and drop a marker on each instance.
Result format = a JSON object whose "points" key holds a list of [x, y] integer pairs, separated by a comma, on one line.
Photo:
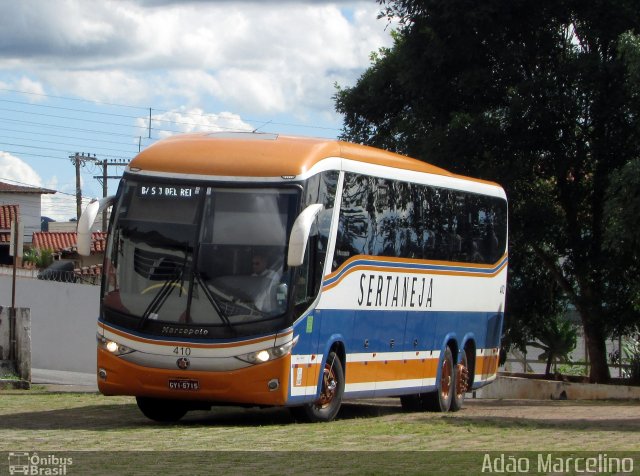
{"points": [[300, 234], [86, 222]]}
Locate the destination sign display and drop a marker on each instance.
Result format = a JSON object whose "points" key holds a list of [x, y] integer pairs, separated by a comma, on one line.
{"points": [[167, 191]]}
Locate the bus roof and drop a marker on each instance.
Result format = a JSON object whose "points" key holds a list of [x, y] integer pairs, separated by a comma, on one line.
{"points": [[247, 154]]}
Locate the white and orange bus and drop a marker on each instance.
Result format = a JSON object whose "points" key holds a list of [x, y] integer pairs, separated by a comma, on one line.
{"points": [[257, 269]]}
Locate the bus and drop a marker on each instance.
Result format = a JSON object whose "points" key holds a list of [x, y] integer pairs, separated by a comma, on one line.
{"points": [[263, 270]]}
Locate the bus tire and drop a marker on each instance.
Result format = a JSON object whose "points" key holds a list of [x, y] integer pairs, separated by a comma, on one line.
{"points": [[327, 406], [440, 400], [162, 411], [461, 382]]}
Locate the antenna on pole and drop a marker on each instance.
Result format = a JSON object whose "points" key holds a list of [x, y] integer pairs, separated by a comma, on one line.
{"points": [[261, 126]]}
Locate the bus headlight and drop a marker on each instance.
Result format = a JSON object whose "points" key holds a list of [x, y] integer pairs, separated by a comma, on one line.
{"points": [[265, 355], [112, 346]]}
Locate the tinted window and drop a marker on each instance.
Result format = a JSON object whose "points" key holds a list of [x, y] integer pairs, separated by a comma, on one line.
{"points": [[382, 217]]}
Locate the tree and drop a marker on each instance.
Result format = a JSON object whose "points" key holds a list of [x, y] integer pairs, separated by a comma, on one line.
{"points": [[622, 204], [535, 95]]}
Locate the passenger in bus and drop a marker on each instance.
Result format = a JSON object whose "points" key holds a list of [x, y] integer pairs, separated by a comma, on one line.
{"points": [[491, 244], [475, 256]]}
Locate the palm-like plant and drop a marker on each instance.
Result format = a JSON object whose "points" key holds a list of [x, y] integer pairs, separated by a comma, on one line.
{"points": [[557, 340]]}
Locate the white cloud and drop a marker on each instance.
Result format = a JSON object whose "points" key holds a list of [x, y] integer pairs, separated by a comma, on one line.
{"points": [[109, 86], [13, 168], [263, 57], [194, 120], [34, 89], [58, 206]]}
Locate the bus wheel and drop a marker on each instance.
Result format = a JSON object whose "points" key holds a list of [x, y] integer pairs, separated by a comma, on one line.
{"points": [[163, 411], [461, 382], [327, 406], [440, 400]]}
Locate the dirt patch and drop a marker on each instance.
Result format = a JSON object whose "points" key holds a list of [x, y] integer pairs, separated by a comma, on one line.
{"points": [[618, 415]]}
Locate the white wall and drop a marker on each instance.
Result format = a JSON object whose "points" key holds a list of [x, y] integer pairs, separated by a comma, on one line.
{"points": [[63, 322], [30, 210]]}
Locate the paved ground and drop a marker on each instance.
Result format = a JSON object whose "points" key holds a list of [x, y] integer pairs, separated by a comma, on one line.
{"points": [[63, 381]]}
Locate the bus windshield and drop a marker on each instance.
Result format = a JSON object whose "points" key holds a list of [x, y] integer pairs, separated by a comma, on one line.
{"points": [[197, 255]]}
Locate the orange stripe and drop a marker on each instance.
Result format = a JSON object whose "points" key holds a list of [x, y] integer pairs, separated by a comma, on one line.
{"points": [[310, 374], [487, 365], [361, 372]]}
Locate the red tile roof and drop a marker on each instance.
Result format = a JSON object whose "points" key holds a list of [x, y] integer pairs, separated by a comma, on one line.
{"points": [[8, 213], [67, 240], [89, 274], [11, 188]]}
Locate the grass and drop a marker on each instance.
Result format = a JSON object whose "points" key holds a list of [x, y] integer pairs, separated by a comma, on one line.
{"points": [[378, 433]]}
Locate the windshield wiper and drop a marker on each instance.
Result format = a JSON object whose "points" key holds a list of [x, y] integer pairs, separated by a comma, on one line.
{"points": [[223, 317], [161, 296]]}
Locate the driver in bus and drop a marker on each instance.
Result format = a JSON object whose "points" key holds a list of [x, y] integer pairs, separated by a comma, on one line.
{"points": [[265, 301], [259, 268]]}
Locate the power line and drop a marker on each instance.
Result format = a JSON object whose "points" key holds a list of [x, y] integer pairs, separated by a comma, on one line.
{"points": [[54, 116], [146, 109], [58, 143], [16, 152], [35, 186], [93, 140], [56, 126], [49, 106], [66, 98]]}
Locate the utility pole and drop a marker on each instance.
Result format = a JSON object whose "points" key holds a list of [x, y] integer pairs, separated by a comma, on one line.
{"points": [[103, 179], [79, 160]]}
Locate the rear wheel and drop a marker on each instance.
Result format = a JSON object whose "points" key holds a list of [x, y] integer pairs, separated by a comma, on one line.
{"points": [[461, 382], [440, 400], [163, 411], [328, 404]]}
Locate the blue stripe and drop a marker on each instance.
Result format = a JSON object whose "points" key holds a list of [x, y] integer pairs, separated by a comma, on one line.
{"points": [[417, 266]]}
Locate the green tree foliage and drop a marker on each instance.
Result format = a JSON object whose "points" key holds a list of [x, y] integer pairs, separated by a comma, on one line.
{"points": [[622, 204], [537, 96], [557, 340], [40, 258]]}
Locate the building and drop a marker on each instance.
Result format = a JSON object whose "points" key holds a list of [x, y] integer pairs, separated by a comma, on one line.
{"points": [[29, 205], [8, 214], [64, 244]]}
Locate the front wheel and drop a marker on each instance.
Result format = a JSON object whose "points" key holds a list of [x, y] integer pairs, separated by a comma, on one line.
{"points": [[328, 404], [163, 411]]}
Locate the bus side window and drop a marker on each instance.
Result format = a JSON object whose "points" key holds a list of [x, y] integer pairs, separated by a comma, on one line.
{"points": [[320, 188]]}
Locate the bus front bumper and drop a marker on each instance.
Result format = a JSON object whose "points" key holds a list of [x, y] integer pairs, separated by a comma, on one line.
{"points": [[261, 384]]}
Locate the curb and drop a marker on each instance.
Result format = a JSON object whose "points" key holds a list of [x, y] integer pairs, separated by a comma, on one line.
{"points": [[507, 387]]}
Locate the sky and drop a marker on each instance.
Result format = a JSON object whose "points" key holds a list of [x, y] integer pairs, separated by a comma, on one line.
{"points": [[109, 78]]}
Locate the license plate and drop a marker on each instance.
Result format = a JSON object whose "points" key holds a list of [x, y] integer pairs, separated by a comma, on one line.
{"points": [[184, 384]]}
